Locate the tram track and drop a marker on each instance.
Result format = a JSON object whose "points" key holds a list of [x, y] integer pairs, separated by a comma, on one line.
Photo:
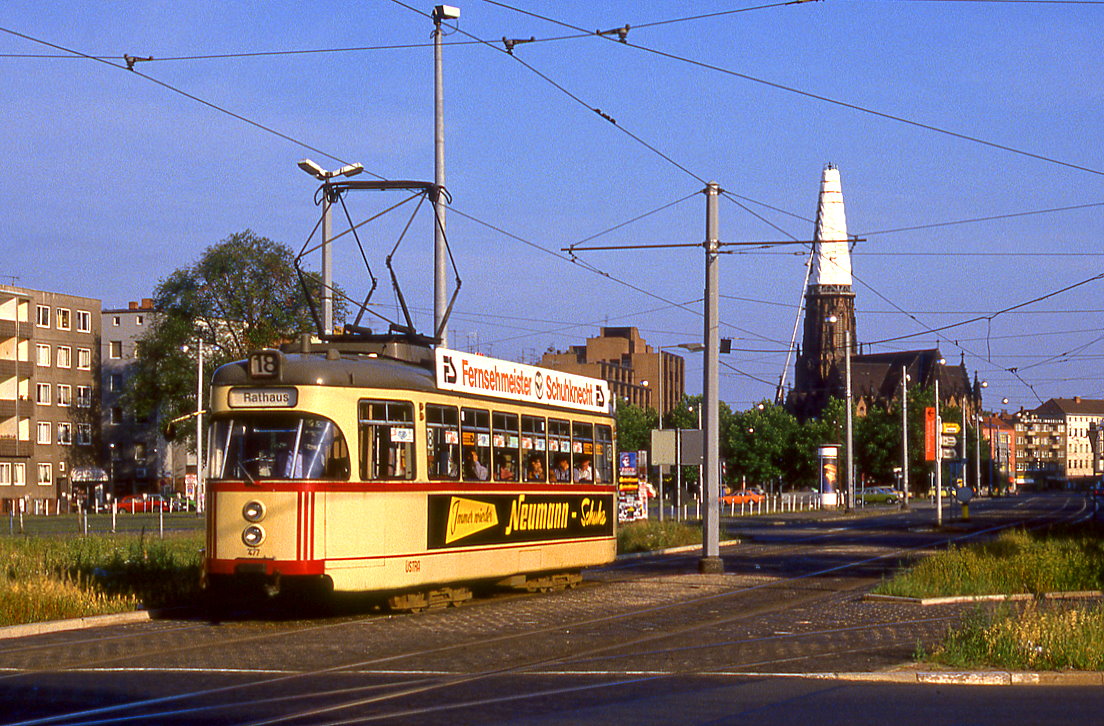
{"points": [[613, 649]]}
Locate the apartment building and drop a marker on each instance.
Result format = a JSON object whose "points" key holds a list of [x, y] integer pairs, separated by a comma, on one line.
{"points": [[1082, 418], [1041, 448], [49, 398]]}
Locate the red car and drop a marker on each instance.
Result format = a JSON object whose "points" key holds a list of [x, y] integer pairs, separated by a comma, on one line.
{"points": [[138, 503], [744, 496]]}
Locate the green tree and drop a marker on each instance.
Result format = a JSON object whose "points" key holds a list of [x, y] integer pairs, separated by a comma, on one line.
{"points": [[634, 426], [877, 445], [242, 294]]}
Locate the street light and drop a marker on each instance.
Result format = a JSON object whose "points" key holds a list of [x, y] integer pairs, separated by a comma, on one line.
{"points": [[327, 256]]}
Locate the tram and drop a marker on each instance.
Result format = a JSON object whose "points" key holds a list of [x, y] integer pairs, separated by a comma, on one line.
{"points": [[388, 466]]}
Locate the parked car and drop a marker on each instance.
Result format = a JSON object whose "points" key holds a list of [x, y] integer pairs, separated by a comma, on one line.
{"points": [[138, 503], [878, 495], [744, 496]]}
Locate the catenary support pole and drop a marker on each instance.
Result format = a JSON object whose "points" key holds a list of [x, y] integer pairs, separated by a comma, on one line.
{"points": [[711, 555], [440, 253]]}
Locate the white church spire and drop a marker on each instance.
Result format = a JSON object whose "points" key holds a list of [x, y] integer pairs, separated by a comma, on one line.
{"points": [[832, 260]]}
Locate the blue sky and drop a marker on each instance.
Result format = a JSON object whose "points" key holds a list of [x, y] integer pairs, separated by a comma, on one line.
{"points": [[113, 181]]}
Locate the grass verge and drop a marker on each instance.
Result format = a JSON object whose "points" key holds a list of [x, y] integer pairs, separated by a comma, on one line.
{"points": [[45, 578], [1055, 639], [1015, 562], [648, 536]]}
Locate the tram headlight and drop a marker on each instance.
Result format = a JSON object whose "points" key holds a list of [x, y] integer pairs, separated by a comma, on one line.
{"points": [[253, 511], [253, 535]]}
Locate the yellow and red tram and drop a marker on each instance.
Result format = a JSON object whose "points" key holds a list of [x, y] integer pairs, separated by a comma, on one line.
{"points": [[390, 467]]}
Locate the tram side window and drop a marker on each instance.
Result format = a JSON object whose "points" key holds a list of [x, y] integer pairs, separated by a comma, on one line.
{"points": [[559, 449], [386, 440], [443, 441], [603, 454], [534, 447], [582, 452], [505, 440], [475, 443]]}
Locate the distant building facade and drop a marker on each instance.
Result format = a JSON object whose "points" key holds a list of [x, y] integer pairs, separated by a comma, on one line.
{"points": [[636, 371], [1061, 442], [49, 398], [133, 448]]}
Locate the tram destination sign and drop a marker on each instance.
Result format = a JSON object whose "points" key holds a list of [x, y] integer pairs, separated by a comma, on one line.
{"points": [[478, 374]]}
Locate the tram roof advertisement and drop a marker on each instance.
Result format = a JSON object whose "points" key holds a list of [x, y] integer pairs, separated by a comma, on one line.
{"points": [[478, 374]]}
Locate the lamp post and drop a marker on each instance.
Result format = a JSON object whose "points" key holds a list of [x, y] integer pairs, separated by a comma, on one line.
{"points": [[440, 253], [977, 451], [328, 196], [938, 449]]}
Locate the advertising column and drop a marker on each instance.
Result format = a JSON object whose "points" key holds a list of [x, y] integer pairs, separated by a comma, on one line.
{"points": [[828, 466]]}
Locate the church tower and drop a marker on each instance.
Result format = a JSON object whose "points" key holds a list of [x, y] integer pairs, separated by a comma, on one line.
{"points": [[829, 305]]}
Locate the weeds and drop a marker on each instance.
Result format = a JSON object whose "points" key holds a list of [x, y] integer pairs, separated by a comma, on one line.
{"points": [[1015, 562], [1054, 639], [48, 578], [648, 536]]}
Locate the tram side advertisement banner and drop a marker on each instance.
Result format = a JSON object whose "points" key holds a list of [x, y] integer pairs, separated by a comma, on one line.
{"points": [[478, 374], [463, 520]]}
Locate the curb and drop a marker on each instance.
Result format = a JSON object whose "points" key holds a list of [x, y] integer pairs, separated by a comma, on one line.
{"points": [[958, 599], [971, 678], [55, 626], [674, 550]]}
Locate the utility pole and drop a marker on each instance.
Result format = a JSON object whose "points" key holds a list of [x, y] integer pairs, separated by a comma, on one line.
{"points": [[904, 439], [850, 425], [440, 251], [711, 552]]}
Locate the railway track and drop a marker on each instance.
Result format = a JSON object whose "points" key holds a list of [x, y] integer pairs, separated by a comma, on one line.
{"points": [[641, 621]]}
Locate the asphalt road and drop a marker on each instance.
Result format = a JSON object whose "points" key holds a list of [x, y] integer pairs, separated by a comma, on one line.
{"points": [[647, 640]]}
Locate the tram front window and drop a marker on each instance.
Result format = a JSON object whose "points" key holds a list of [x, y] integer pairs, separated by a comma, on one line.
{"points": [[278, 446]]}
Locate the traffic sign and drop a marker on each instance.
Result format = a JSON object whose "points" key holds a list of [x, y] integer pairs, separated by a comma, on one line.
{"points": [[949, 453], [948, 440], [950, 427]]}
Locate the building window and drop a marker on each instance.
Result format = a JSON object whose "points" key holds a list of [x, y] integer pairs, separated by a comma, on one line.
{"points": [[65, 433], [115, 349], [45, 474], [42, 394], [84, 359], [19, 475], [116, 415], [5, 474], [43, 319], [44, 430], [64, 356], [64, 321], [42, 353], [84, 321], [138, 319], [115, 382], [114, 321], [84, 434], [139, 451], [65, 394], [84, 396]]}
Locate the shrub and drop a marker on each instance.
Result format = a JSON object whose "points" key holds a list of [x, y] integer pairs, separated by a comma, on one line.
{"points": [[648, 535]]}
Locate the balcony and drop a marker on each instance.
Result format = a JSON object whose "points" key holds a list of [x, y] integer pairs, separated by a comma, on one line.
{"points": [[7, 368], [9, 328], [8, 406], [9, 447]]}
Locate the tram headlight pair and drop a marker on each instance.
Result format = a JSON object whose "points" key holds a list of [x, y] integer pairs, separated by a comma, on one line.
{"points": [[253, 535]]}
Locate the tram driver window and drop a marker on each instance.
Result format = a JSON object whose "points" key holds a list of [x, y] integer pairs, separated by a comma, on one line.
{"points": [[386, 440], [475, 441]]}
